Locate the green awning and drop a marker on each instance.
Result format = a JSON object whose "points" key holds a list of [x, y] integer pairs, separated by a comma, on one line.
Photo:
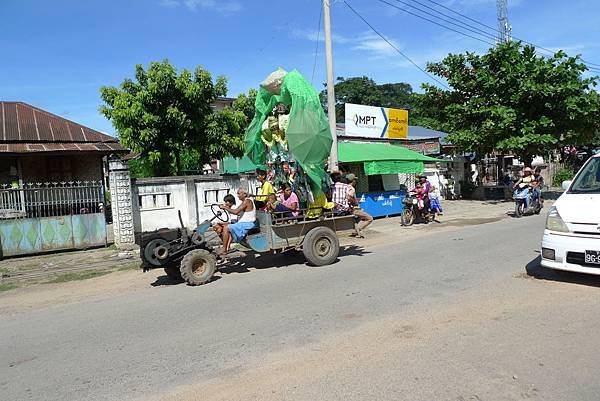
{"points": [[393, 167], [352, 152], [384, 158], [236, 166]]}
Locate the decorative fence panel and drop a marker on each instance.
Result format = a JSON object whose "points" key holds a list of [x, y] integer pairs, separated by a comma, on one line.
{"points": [[52, 216]]}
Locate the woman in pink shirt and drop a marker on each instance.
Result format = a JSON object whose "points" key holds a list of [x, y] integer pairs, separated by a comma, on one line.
{"points": [[288, 202]]}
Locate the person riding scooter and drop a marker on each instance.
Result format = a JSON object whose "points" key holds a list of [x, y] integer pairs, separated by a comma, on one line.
{"points": [[524, 184], [538, 184]]}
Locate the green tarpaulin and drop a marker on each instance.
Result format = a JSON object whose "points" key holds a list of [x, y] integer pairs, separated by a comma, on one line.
{"points": [[383, 158], [308, 135], [236, 166], [350, 152], [393, 167]]}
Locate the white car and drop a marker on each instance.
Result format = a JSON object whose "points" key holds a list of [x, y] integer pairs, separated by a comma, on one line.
{"points": [[572, 236]]}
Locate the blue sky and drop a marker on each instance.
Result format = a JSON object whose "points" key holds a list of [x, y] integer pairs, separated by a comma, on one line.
{"points": [[57, 53]]}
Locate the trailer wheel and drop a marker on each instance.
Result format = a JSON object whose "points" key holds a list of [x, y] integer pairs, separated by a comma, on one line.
{"points": [[321, 246], [173, 271], [198, 266]]}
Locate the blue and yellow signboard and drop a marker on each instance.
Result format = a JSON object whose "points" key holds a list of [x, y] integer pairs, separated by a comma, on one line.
{"points": [[375, 122]]}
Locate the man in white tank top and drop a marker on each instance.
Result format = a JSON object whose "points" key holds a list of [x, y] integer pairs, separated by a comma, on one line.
{"points": [[246, 221]]}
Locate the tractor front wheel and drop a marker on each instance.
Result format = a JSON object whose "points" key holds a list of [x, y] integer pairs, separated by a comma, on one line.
{"points": [[198, 266]]}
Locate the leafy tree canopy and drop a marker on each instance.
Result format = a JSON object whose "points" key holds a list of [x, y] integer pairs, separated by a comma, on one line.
{"points": [[363, 90], [167, 117], [510, 99]]}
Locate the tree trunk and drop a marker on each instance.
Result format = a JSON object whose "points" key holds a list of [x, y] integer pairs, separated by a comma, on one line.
{"points": [[177, 161]]}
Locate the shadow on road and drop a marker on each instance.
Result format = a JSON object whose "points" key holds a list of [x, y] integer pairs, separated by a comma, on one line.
{"points": [[534, 269], [252, 260], [279, 260]]}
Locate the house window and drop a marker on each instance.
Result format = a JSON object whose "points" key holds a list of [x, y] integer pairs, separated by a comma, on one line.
{"points": [[155, 201], [60, 169]]}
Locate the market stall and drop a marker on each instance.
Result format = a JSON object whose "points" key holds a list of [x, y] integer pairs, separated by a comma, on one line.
{"points": [[385, 172]]}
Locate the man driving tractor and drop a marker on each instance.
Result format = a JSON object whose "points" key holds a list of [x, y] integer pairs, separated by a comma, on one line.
{"points": [[237, 231]]}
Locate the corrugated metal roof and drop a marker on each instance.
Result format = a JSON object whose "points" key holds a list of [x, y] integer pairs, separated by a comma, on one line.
{"points": [[102, 147], [25, 128]]}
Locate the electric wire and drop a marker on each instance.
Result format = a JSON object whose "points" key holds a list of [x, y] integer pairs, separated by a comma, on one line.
{"points": [[451, 20], [590, 65], [436, 23], [394, 46]]}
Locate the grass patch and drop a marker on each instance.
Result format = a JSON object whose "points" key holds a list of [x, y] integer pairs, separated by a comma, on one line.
{"points": [[4, 270], [63, 278], [8, 286], [134, 265]]}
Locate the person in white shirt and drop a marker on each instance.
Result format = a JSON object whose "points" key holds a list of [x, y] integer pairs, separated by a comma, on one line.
{"points": [[435, 204]]}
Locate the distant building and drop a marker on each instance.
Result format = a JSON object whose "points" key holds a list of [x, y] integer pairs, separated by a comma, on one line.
{"points": [[37, 146], [223, 102]]}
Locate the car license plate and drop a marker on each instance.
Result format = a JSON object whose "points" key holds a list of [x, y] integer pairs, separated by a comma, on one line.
{"points": [[592, 257]]}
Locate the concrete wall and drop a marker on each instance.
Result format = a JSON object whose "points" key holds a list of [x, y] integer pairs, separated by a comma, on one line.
{"points": [[156, 201]]}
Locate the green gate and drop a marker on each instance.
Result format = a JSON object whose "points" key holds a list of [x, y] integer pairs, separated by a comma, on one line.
{"points": [[42, 234], [38, 218]]}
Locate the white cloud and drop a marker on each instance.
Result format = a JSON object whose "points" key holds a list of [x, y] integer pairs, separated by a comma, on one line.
{"points": [[375, 46], [366, 42], [222, 6]]}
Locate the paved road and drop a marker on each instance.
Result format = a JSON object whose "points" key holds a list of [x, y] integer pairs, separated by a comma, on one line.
{"points": [[452, 315]]}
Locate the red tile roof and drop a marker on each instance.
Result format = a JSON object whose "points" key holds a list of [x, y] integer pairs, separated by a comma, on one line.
{"points": [[25, 128]]}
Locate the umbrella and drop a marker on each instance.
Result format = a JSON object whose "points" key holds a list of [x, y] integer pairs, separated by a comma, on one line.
{"points": [[309, 138]]}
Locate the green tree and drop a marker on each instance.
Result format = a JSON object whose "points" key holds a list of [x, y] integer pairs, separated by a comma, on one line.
{"points": [[510, 99], [167, 117], [363, 90], [245, 104], [231, 119]]}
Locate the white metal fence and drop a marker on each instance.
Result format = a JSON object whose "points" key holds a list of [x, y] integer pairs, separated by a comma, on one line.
{"points": [[51, 199]]}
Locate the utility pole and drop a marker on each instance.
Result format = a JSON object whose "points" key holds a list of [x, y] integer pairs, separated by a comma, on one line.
{"points": [[504, 29], [333, 157]]}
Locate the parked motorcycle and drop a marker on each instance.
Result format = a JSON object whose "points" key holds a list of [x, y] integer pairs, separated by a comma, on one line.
{"points": [[411, 213], [520, 196]]}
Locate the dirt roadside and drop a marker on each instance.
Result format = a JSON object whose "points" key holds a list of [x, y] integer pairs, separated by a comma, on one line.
{"points": [[383, 232]]}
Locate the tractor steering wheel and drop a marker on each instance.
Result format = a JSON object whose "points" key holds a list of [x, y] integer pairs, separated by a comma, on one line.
{"points": [[219, 213]]}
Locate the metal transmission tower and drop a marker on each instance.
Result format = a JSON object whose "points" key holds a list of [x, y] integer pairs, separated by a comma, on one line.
{"points": [[504, 29]]}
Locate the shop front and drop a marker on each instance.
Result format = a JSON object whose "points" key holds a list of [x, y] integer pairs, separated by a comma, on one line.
{"points": [[385, 173]]}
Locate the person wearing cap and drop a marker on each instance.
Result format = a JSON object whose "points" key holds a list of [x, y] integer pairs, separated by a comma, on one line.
{"points": [[364, 218], [526, 181]]}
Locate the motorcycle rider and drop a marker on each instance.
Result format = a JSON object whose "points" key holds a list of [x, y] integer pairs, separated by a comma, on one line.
{"points": [[538, 184], [525, 183]]}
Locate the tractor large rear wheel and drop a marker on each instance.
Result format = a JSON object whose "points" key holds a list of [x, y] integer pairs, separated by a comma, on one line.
{"points": [[321, 246], [198, 266]]}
